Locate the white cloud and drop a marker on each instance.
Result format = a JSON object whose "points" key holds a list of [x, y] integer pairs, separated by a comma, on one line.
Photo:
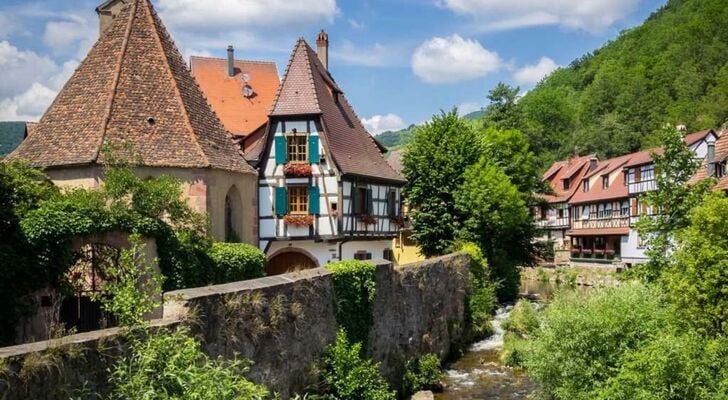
{"points": [[591, 16], [27, 106], [375, 55], [468, 107], [355, 24], [240, 14], [532, 74], [380, 123], [19, 69], [62, 35], [453, 59]]}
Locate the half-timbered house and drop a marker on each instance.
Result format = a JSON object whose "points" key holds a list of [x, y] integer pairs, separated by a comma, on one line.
{"points": [[326, 192]]}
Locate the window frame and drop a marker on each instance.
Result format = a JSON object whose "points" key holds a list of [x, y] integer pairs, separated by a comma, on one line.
{"points": [[294, 157], [295, 205]]}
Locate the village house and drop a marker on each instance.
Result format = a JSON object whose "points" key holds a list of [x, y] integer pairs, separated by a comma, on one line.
{"points": [[553, 217], [605, 204], [326, 192]]}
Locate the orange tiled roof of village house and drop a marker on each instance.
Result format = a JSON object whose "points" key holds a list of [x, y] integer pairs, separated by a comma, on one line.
{"points": [[617, 189], [241, 115], [574, 168], [133, 86], [308, 89]]}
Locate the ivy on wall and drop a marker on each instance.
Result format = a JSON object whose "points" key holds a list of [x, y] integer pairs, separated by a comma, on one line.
{"points": [[354, 287]]}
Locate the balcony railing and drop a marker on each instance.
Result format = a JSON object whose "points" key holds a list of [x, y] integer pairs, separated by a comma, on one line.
{"points": [[553, 222], [643, 186], [602, 220]]}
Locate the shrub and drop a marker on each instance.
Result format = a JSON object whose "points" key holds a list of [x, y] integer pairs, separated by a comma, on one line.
{"points": [[236, 262], [424, 373], [514, 350], [523, 320], [673, 367], [171, 365], [351, 377], [584, 337], [483, 300], [355, 287]]}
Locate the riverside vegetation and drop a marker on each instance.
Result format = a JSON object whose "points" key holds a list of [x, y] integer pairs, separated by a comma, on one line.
{"points": [[661, 334]]}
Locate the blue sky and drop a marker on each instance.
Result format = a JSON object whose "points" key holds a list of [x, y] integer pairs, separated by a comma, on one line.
{"points": [[399, 61]]}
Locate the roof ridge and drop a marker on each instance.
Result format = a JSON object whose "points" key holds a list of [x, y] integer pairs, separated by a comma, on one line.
{"points": [[170, 76], [310, 71], [236, 59], [117, 74], [285, 76]]}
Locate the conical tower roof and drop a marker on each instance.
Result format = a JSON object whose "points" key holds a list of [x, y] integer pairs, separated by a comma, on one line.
{"points": [[133, 87]]}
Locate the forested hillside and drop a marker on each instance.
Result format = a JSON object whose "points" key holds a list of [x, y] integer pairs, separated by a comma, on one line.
{"points": [[673, 68]]}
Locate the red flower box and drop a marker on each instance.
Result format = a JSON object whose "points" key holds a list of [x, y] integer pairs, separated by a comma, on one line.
{"points": [[586, 251], [598, 251], [298, 219], [298, 170], [398, 220], [367, 219]]}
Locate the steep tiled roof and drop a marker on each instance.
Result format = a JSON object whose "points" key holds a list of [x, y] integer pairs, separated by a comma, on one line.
{"points": [[645, 156], [240, 115], [134, 87], [617, 188], [721, 153], [574, 168], [308, 88], [395, 160]]}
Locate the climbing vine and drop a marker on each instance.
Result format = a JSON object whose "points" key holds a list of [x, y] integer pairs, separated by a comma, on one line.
{"points": [[354, 287]]}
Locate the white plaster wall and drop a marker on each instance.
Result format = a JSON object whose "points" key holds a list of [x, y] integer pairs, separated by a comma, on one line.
{"points": [[376, 247], [631, 252]]}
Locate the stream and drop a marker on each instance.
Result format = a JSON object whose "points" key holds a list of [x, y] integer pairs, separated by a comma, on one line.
{"points": [[479, 373]]}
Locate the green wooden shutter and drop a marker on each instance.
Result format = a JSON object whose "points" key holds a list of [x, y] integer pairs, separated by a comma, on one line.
{"points": [[313, 149], [280, 150], [281, 205], [313, 200], [370, 202]]}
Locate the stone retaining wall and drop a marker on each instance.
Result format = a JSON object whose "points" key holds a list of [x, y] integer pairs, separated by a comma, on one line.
{"points": [[282, 323]]}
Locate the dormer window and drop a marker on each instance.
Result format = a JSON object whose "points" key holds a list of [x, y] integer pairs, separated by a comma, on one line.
{"points": [[585, 185], [720, 169], [567, 183], [605, 182]]}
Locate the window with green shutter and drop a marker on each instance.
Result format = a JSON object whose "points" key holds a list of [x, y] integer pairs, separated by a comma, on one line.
{"points": [[313, 200], [280, 149], [281, 203], [370, 202]]}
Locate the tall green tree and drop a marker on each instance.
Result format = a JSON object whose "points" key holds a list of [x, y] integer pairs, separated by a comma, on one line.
{"points": [[434, 163], [503, 111], [671, 201], [697, 282], [498, 221]]}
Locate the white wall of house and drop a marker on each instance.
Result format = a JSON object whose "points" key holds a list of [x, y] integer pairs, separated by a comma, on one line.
{"points": [[633, 252], [326, 252]]}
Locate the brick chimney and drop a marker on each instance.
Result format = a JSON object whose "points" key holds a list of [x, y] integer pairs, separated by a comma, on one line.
{"points": [[322, 48], [107, 11], [231, 61], [710, 159]]}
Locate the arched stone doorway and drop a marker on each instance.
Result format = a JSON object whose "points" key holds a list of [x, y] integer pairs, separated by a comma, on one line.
{"points": [[289, 260]]}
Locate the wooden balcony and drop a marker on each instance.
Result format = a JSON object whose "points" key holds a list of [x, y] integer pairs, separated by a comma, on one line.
{"points": [[643, 186], [603, 221], [553, 223]]}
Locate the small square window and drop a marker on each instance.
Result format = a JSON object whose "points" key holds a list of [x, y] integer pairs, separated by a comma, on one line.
{"points": [[298, 200]]}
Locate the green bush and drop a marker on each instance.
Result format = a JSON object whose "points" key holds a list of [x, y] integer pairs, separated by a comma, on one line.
{"points": [[236, 262], [584, 337], [483, 300], [514, 350], [172, 365], [354, 287], [523, 320], [424, 373], [351, 377], [673, 367]]}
